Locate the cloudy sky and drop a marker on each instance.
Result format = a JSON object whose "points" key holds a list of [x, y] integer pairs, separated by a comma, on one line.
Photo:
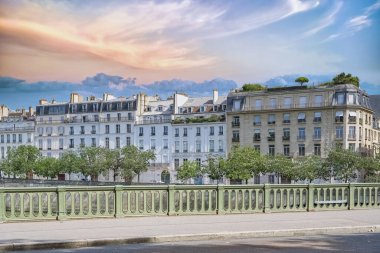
{"points": [[144, 42]]}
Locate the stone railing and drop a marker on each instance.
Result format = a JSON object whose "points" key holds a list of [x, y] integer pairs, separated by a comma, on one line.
{"points": [[68, 202]]}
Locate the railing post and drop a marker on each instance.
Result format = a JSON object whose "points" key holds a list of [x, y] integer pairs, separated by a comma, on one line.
{"points": [[171, 200], [310, 196], [2, 204], [220, 199], [267, 189], [119, 201], [351, 196], [61, 196]]}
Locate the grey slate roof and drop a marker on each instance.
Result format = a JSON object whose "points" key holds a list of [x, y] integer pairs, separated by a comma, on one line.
{"points": [[375, 104]]}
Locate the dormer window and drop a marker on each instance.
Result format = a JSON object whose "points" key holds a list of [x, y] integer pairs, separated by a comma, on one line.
{"points": [[215, 108], [180, 110], [202, 109], [148, 109], [171, 107], [189, 109], [160, 108], [224, 107]]}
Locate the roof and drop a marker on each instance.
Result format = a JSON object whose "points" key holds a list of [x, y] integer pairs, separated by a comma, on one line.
{"points": [[375, 104], [204, 100]]}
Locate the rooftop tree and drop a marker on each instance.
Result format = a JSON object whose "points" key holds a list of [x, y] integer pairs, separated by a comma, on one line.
{"points": [[344, 78], [301, 80], [252, 87]]}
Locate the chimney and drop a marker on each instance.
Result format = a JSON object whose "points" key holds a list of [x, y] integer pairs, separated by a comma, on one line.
{"points": [[31, 111], [214, 96], [43, 101]]}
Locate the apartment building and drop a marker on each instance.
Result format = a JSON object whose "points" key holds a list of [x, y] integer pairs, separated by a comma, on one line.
{"points": [[299, 121], [16, 128]]}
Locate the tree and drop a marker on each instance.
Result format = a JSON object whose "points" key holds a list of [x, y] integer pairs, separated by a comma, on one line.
{"points": [[189, 169], [135, 161], [310, 168], [21, 161], [243, 163], [371, 167], [344, 78], [282, 166], [92, 161], [343, 163], [47, 167], [252, 87], [215, 168], [302, 80], [69, 162], [114, 162]]}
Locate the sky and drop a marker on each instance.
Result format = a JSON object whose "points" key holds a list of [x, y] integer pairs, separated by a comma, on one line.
{"points": [[49, 48]]}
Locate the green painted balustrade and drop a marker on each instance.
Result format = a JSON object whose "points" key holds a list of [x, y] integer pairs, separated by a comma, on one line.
{"points": [[66, 202]]}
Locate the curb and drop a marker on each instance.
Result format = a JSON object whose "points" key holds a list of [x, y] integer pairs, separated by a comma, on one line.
{"points": [[188, 237]]}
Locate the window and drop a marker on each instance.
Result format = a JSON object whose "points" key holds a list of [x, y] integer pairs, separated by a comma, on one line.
{"points": [[318, 100], [287, 102], [317, 117], [2, 138], [286, 134], [286, 118], [61, 130], [165, 144], [317, 133], [317, 149], [20, 138], [257, 120], [166, 130], [271, 179], [286, 150], [108, 117], [339, 132], [236, 104], [153, 144], [351, 146], [176, 146], [176, 164], [40, 131], [273, 103], [211, 146], [271, 150], [141, 131], [176, 132], [129, 116], [235, 136], [339, 118], [271, 134], [128, 141], [198, 131], [340, 98], [129, 128], [185, 147], [107, 142], [236, 121], [301, 134], [220, 130], [185, 132], [258, 104], [198, 146], [211, 130], [141, 144], [351, 132], [117, 128], [351, 99], [93, 142], [220, 146], [301, 117], [152, 131], [202, 109], [2, 153], [301, 149], [303, 102], [14, 138], [29, 137], [93, 129], [198, 162], [71, 145], [40, 144], [82, 143], [49, 144], [107, 131], [82, 130], [8, 138], [352, 117], [271, 119], [257, 135], [49, 131]]}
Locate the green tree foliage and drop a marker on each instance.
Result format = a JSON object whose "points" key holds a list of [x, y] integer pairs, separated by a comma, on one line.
{"points": [[243, 163], [69, 162], [343, 163], [371, 167], [135, 161], [302, 80], [47, 167], [114, 162], [252, 87], [20, 161], [344, 78], [189, 169], [92, 161], [282, 166], [215, 168], [310, 168]]}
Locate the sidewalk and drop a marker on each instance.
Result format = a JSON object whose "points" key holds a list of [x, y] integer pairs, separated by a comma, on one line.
{"points": [[83, 233]]}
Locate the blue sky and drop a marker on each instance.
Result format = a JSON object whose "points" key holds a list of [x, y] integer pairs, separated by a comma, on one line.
{"points": [[55, 45]]}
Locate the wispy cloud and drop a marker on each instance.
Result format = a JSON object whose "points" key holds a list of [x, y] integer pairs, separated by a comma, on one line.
{"points": [[144, 35]]}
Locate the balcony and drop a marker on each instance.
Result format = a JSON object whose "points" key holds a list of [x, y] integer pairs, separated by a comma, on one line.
{"points": [[220, 133], [361, 121], [286, 138], [71, 132], [93, 132], [316, 137], [301, 138], [338, 137], [301, 120], [286, 121], [352, 137], [339, 120], [271, 138], [153, 121], [16, 129], [352, 120], [198, 134], [176, 135], [317, 120], [82, 132], [235, 139], [235, 124], [271, 122], [141, 134], [71, 146], [257, 138], [152, 134], [257, 123]]}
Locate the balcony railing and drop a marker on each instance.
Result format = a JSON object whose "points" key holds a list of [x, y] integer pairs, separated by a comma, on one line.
{"points": [[286, 137], [317, 137], [317, 120], [256, 138], [153, 121], [257, 123], [352, 137], [301, 138], [235, 124], [271, 138], [16, 129], [235, 139], [286, 121]]}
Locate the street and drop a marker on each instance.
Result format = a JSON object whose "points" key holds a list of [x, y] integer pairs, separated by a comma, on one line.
{"points": [[368, 242]]}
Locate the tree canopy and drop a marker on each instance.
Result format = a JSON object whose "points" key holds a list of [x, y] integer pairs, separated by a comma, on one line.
{"points": [[252, 87], [135, 161], [189, 169], [20, 161], [344, 78], [302, 80]]}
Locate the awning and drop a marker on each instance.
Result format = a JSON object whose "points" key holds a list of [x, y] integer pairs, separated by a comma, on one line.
{"points": [[352, 114], [339, 114], [301, 115]]}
